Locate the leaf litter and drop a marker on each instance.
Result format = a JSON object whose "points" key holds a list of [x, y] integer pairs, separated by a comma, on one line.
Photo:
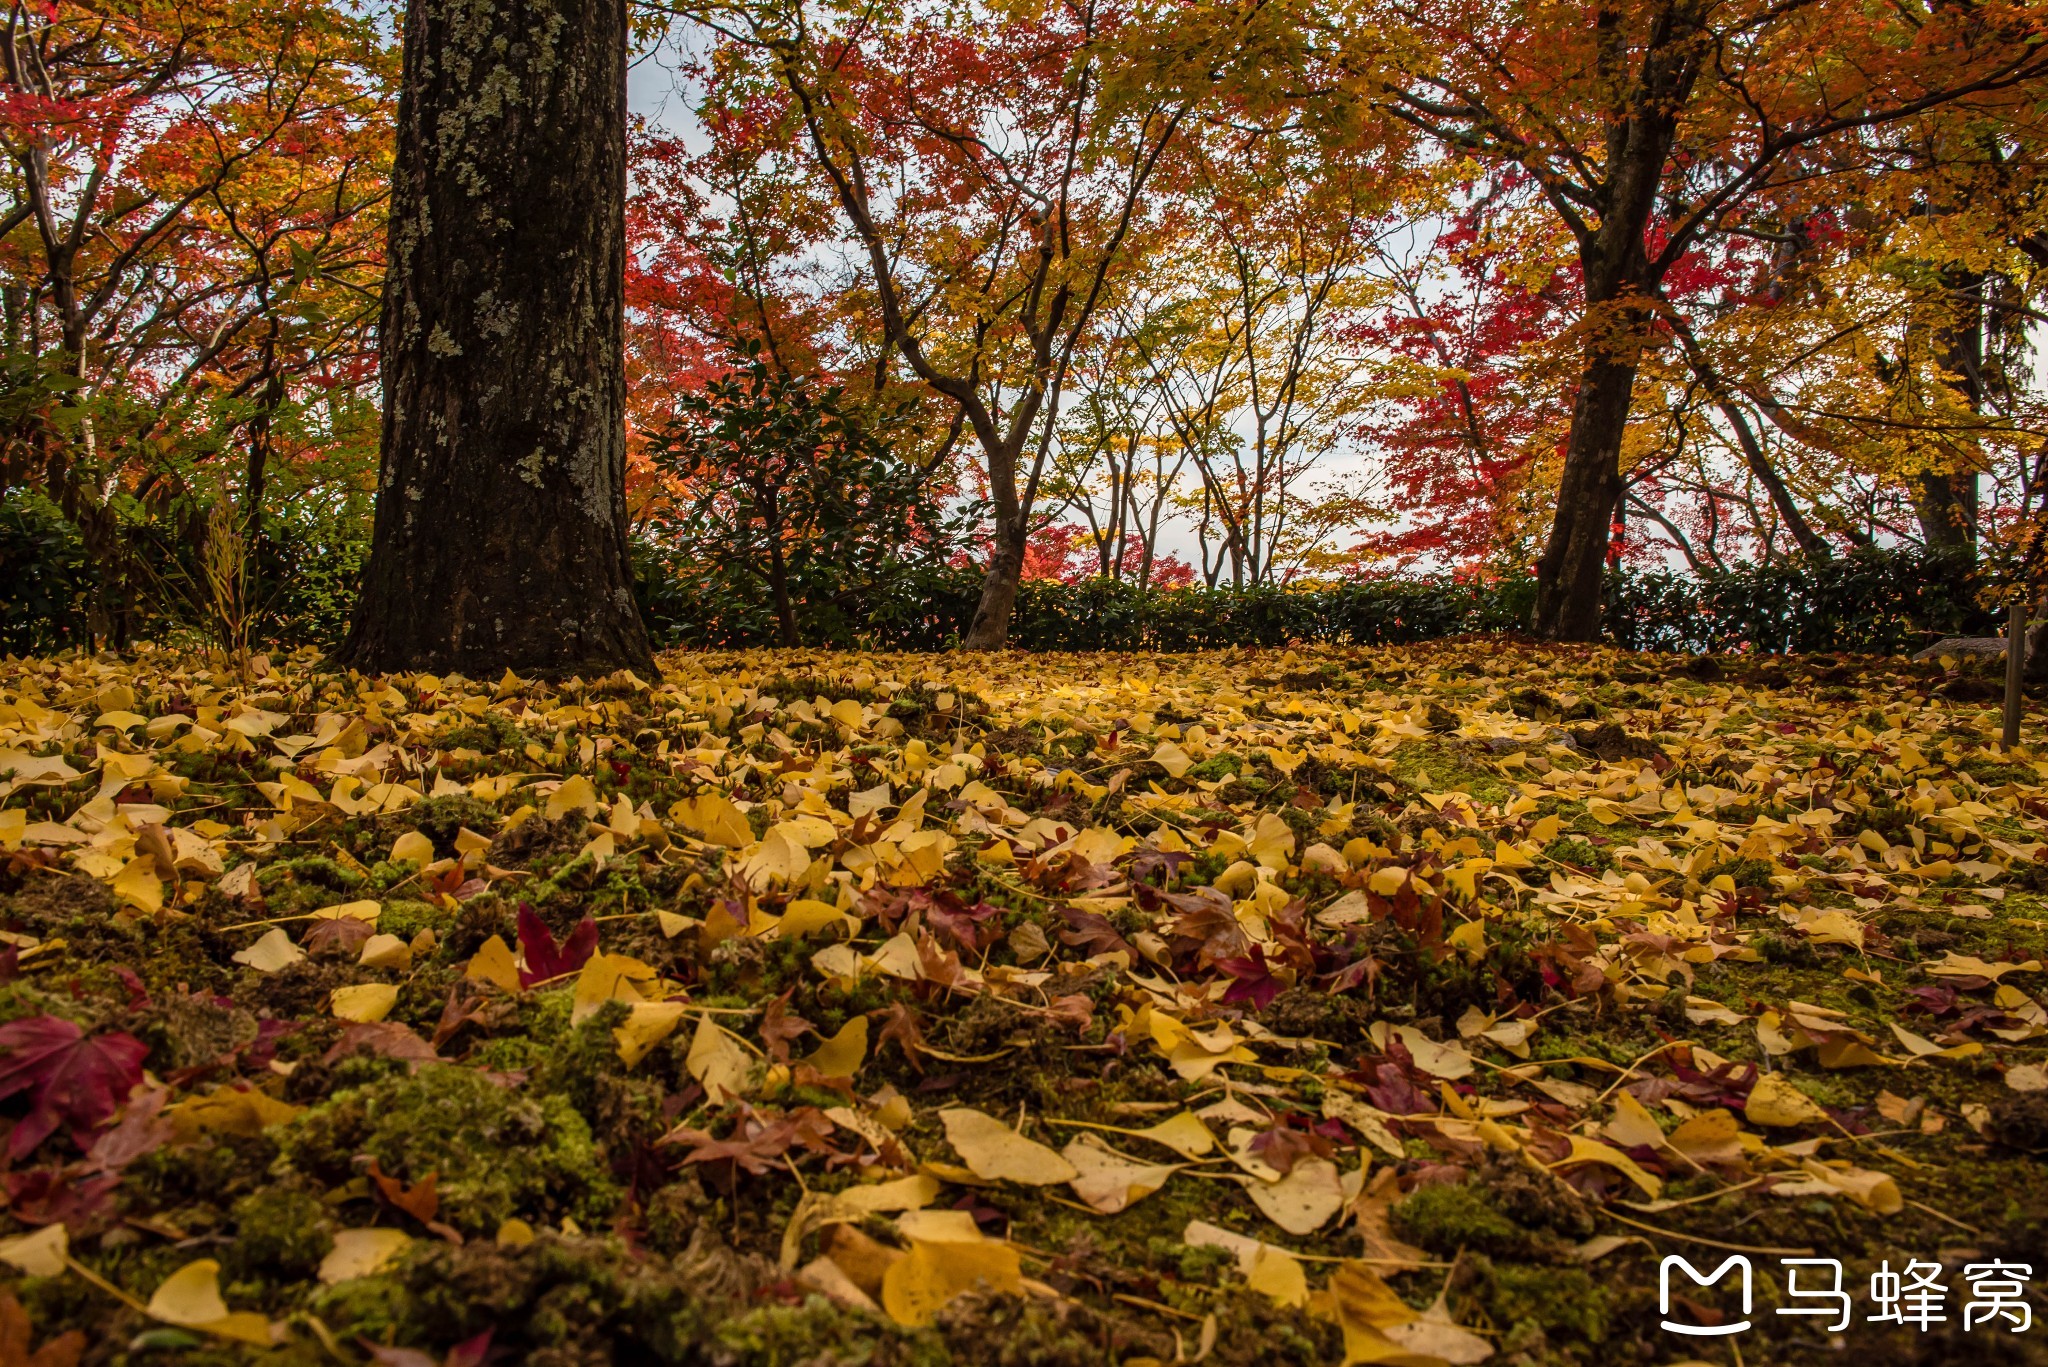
{"points": [[1318, 1006]]}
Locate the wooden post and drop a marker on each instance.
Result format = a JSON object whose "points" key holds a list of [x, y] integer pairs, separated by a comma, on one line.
{"points": [[2015, 667]]}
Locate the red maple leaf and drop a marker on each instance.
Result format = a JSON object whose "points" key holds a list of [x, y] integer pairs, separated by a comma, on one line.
{"points": [[544, 960], [72, 1080], [1252, 981]]}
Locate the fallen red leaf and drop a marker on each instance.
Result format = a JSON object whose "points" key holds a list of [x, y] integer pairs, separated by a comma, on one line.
{"points": [[72, 1080], [546, 961]]}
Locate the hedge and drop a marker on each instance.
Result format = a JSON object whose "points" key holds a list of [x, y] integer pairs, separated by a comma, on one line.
{"points": [[1874, 602]]}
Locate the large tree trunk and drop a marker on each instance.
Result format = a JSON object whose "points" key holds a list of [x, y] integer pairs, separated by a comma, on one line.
{"points": [[500, 534], [1619, 282]]}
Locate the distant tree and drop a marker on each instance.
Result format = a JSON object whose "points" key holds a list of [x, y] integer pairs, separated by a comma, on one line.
{"points": [[1652, 127], [785, 492]]}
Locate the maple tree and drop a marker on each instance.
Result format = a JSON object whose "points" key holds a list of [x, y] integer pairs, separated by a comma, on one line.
{"points": [[192, 245], [1464, 403], [787, 489], [1247, 338], [994, 184], [1651, 131]]}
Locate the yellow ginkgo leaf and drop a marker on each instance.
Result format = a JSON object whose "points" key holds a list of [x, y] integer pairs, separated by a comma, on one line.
{"points": [[782, 857], [1586, 1150], [842, 1055], [575, 795], [39, 1253], [1776, 1104], [807, 916], [1184, 1133], [241, 1111], [1303, 1200], [1278, 1275], [1108, 1181], [610, 977], [361, 1253], [190, 1298], [904, 1193], [718, 1062], [714, 817], [1172, 758], [493, 963], [274, 952], [138, 886], [994, 1151], [364, 1002], [413, 847], [365, 910], [386, 951], [674, 923], [648, 1025], [946, 1259]]}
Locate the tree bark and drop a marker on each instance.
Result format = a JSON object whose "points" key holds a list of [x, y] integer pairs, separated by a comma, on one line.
{"points": [[1570, 574], [1620, 283], [500, 537], [990, 629], [1946, 501], [1946, 506]]}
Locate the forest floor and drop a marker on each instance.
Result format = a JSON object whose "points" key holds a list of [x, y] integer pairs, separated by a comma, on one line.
{"points": [[1318, 1006]]}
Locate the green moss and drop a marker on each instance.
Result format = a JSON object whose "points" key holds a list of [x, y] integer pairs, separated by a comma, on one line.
{"points": [[406, 918], [441, 818], [1446, 1218], [281, 1234], [1567, 849], [371, 1308], [315, 871], [1563, 1300], [499, 1151]]}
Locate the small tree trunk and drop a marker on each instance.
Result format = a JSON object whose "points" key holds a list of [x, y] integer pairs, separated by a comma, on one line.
{"points": [[990, 629], [500, 536], [1568, 577], [1946, 506], [778, 583]]}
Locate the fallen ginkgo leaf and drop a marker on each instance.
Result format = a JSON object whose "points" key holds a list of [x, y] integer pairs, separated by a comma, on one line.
{"points": [[1108, 1181], [364, 1002], [362, 1253], [994, 1151], [272, 953]]}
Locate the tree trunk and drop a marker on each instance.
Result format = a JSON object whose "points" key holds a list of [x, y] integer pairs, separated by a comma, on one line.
{"points": [[1620, 281], [990, 629], [1946, 501], [1946, 506], [778, 583], [1569, 575], [500, 537]]}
